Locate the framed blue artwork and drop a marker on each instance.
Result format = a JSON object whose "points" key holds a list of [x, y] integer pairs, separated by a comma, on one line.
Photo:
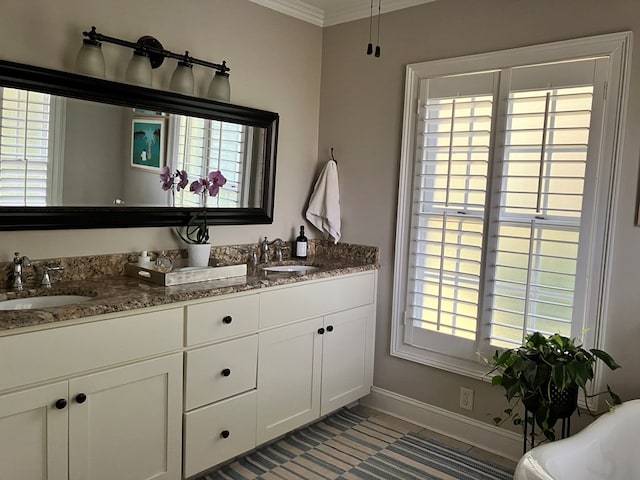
{"points": [[147, 143]]}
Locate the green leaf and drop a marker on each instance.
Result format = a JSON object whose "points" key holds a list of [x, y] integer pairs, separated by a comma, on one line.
{"points": [[529, 373], [502, 360], [614, 397], [558, 375], [606, 358], [497, 380]]}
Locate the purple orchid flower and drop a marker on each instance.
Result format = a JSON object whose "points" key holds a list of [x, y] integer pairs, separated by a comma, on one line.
{"points": [[216, 180], [184, 179], [168, 179]]}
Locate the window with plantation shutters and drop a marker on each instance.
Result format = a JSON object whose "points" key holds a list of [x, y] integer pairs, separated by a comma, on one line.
{"points": [[25, 148], [205, 145], [505, 193]]}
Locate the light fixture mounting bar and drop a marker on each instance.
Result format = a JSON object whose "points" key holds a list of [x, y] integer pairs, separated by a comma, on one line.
{"points": [[153, 47]]}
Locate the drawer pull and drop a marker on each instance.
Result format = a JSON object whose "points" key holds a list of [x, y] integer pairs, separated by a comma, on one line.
{"points": [[227, 320], [225, 434], [321, 331], [81, 398], [61, 403], [226, 372], [330, 328]]}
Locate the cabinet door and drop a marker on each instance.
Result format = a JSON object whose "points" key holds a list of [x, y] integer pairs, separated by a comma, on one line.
{"points": [[33, 434], [347, 357], [129, 425], [289, 360]]}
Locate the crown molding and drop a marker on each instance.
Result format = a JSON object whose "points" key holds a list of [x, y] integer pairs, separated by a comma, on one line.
{"points": [[352, 12], [295, 8], [333, 16]]}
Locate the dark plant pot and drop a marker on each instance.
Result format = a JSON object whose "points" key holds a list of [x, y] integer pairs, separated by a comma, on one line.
{"points": [[531, 403], [562, 404]]}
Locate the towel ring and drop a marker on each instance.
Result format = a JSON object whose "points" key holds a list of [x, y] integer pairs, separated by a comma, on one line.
{"points": [[332, 157]]}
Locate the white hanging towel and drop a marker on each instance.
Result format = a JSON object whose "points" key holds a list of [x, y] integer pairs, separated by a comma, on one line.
{"points": [[324, 206]]}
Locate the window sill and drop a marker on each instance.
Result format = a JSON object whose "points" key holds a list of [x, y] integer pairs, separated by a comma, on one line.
{"points": [[468, 368]]}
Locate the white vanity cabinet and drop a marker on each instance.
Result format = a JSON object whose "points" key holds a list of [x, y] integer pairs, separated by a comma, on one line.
{"points": [[168, 392], [312, 366], [220, 380], [115, 411]]}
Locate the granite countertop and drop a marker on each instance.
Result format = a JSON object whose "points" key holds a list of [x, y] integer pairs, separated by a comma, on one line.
{"points": [[119, 293]]}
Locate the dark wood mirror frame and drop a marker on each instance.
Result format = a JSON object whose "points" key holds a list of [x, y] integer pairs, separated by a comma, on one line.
{"points": [[71, 85]]}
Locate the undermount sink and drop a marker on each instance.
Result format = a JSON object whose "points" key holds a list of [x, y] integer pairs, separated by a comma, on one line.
{"points": [[291, 269], [29, 303]]}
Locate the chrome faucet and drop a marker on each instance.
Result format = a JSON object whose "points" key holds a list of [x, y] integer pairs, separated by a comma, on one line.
{"points": [[46, 279], [18, 263], [278, 243], [265, 250]]}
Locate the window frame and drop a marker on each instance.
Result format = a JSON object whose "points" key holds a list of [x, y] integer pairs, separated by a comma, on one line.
{"points": [[617, 47]]}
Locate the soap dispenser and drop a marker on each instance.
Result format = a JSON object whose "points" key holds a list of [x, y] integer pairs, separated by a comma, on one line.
{"points": [[144, 260]]}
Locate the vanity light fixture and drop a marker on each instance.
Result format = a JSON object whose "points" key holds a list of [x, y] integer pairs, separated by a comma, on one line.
{"points": [[182, 79], [90, 60], [148, 53]]}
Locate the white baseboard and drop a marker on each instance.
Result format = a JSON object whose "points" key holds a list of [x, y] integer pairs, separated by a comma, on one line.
{"points": [[479, 434]]}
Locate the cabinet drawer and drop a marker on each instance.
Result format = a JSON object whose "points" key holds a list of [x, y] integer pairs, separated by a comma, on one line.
{"points": [[64, 351], [288, 304], [221, 319], [220, 371], [205, 444]]}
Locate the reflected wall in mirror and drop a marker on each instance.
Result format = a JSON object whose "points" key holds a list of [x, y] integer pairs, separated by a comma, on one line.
{"points": [[82, 152]]}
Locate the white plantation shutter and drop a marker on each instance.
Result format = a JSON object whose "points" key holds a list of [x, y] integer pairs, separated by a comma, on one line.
{"points": [[24, 147], [209, 145], [447, 225], [501, 226], [538, 244]]}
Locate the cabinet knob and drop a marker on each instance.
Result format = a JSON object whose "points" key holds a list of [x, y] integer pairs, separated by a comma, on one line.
{"points": [[225, 434], [226, 372], [61, 403], [81, 398], [321, 330], [228, 319], [330, 328]]}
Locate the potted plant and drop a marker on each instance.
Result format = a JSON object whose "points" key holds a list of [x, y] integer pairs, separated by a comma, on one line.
{"points": [[196, 233], [545, 374]]}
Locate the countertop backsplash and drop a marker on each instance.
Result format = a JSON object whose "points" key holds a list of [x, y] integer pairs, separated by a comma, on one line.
{"points": [[98, 266]]}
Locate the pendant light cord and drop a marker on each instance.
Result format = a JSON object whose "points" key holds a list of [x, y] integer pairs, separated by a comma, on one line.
{"points": [[378, 41], [370, 45]]}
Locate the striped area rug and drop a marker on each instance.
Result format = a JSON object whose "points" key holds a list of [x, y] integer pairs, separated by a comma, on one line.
{"points": [[347, 446]]}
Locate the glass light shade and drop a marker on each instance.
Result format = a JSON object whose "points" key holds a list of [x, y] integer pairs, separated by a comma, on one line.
{"points": [[90, 60], [182, 79], [139, 69], [220, 89]]}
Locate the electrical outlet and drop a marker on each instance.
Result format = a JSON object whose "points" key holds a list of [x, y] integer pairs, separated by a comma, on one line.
{"points": [[466, 398]]}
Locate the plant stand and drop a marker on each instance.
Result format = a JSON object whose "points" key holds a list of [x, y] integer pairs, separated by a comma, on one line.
{"points": [[529, 442]]}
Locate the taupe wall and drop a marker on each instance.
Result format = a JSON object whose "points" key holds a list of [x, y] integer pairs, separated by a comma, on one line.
{"points": [[275, 62], [361, 116], [93, 142]]}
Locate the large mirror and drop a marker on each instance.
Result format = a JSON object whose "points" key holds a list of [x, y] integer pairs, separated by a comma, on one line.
{"points": [[79, 152]]}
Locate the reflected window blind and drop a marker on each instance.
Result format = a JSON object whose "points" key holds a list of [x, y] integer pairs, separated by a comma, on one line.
{"points": [[448, 214], [209, 145], [542, 186], [24, 147]]}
